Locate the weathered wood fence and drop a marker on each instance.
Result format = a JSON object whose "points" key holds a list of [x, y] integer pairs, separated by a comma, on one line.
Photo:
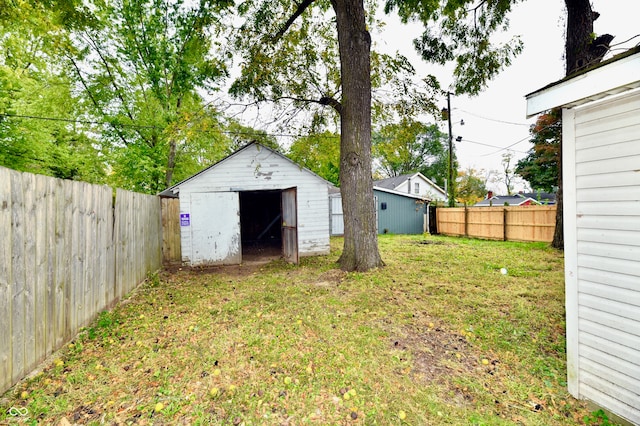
{"points": [[66, 253], [526, 223], [171, 249]]}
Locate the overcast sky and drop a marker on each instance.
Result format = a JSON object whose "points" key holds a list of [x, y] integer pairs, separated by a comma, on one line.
{"points": [[497, 116]]}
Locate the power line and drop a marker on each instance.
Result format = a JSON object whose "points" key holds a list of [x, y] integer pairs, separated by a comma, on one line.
{"points": [[494, 120], [490, 146], [508, 146], [139, 126]]}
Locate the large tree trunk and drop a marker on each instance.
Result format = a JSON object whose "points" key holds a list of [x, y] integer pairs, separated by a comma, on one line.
{"points": [[579, 30], [581, 51], [360, 251]]}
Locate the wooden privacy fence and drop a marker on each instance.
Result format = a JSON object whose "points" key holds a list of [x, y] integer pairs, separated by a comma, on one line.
{"points": [[66, 253], [517, 223], [171, 249]]}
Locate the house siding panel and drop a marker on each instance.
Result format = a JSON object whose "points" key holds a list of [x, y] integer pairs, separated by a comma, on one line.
{"points": [[625, 399], [607, 265], [610, 279], [606, 182], [620, 193], [614, 251], [257, 169]]}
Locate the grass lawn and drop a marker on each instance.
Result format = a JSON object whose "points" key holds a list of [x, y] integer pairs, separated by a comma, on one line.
{"points": [[440, 336]]}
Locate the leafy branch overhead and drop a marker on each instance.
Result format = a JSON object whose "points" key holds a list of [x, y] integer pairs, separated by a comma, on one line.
{"points": [[297, 66], [461, 33]]}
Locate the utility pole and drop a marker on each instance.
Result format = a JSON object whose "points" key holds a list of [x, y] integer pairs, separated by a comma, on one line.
{"points": [[451, 189]]}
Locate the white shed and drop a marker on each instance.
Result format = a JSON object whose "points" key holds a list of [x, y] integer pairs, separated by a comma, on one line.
{"points": [[601, 182], [254, 202]]}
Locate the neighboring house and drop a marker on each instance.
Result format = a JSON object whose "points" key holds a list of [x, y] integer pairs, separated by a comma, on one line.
{"points": [[254, 201], [545, 198], [415, 184], [601, 177], [396, 212], [506, 200]]}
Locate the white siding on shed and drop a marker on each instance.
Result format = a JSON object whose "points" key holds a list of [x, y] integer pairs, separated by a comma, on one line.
{"points": [[256, 168], [601, 149]]}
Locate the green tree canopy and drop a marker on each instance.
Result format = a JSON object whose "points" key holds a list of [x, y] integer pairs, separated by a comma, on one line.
{"points": [[411, 146], [38, 106], [471, 186], [320, 153], [143, 67], [540, 166]]}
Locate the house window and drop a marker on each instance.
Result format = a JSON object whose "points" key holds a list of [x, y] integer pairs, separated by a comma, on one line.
{"points": [[416, 188]]}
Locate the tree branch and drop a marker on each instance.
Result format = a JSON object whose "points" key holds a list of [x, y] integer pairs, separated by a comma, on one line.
{"points": [[93, 99], [333, 103], [299, 11]]}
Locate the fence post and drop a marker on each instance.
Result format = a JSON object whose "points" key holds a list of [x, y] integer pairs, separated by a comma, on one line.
{"points": [[466, 221], [504, 224]]}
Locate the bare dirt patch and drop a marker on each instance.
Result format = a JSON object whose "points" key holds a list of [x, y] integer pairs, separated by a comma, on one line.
{"points": [[436, 353], [330, 278]]}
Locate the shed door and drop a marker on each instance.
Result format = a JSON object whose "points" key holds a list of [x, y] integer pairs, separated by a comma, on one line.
{"points": [[290, 225], [215, 228]]}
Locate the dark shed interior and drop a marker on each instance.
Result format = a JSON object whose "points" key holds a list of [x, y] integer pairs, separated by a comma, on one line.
{"points": [[260, 224]]}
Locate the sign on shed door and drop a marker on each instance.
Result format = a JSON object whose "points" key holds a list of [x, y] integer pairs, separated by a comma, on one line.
{"points": [[215, 228]]}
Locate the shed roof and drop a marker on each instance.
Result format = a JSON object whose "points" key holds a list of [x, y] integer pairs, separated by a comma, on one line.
{"points": [[400, 193], [172, 191], [335, 192], [616, 75]]}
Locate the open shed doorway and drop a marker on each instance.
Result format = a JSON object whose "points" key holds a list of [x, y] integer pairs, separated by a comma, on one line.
{"points": [[261, 224]]}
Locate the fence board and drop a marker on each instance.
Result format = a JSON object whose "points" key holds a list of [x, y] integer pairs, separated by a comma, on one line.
{"points": [[171, 250], [66, 254], [18, 278], [6, 250], [50, 319], [30, 231], [514, 223], [40, 283], [75, 299]]}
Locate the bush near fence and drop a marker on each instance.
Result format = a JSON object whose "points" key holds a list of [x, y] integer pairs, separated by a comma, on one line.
{"points": [[68, 250], [516, 223]]}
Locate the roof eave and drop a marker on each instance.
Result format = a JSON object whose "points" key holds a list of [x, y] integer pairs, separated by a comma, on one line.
{"points": [[616, 75]]}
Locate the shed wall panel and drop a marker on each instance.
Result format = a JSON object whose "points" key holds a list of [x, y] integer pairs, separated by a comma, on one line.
{"points": [[607, 264], [622, 338], [610, 355], [605, 400], [605, 143], [610, 279], [612, 251], [627, 311], [613, 138], [402, 215], [622, 399], [627, 179]]}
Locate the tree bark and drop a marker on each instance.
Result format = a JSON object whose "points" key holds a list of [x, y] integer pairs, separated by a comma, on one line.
{"points": [[558, 233], [581, 51], [578, 38], [360, 252]]}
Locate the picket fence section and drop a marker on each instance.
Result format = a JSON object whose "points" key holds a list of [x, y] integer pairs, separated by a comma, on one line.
{"points": [[513, 223], [66, 254]]}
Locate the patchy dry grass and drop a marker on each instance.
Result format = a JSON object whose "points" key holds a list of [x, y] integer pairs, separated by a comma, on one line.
{"points": [[438, 336]]}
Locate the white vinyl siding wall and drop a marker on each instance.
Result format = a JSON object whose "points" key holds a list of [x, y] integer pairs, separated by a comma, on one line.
{"points": [[256, 169], [601, 148]]}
